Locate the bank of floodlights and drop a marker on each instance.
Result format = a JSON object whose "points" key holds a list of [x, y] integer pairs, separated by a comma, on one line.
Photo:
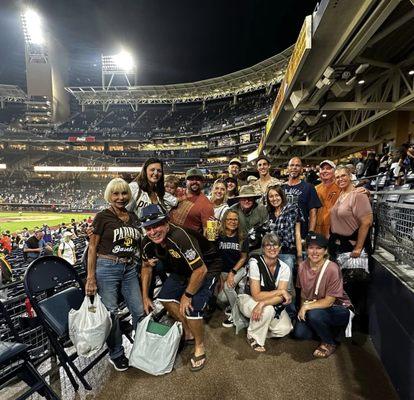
{"points": [[32, 27], [121, 64], [34, 36]]}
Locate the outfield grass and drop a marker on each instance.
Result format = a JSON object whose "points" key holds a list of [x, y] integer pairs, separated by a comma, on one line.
{"points": [[15, 221]]}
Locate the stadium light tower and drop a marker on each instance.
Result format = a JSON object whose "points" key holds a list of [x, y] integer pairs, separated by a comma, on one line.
{"points": [[34, 36], [121, 64]]}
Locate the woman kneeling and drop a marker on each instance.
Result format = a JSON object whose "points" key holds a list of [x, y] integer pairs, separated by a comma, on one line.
{"points": [[267, 295], [325, 307]]}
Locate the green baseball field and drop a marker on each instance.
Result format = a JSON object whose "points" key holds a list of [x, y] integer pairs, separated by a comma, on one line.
{"points": [[15, 221]]}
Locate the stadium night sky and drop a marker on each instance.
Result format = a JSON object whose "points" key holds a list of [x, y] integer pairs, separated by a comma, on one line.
{"points": [[174, 41]]}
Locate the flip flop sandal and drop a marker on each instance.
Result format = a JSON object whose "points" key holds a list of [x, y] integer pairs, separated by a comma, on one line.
{"points": [[324, 352], [194, 359], [254, 345]]}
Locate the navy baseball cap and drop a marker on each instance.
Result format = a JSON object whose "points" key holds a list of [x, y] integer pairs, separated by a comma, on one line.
{"points": [[316, 238], [151, 215]]}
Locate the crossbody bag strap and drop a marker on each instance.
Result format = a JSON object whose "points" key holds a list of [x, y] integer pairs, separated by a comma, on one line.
{"points": [[133, 204], [318, 282]]}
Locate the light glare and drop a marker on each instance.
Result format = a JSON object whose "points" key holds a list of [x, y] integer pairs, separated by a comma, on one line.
{"points": [[124, 61], [33, 24]]}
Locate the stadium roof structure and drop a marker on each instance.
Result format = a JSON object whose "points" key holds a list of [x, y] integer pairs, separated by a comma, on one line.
{"points": [[12, 94], [264, 74], [359, 68]]}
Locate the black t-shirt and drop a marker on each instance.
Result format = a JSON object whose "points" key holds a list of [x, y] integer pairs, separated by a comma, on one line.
{"points": [[185, 251], [230, 250], [32, 242], [117, 238]]}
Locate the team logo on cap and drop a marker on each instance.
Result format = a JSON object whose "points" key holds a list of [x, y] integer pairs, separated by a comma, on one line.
{"points": [[190, 255]]}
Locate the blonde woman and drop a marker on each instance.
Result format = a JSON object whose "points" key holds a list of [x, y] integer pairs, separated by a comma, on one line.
{"points": [[219, 198], [111, 264]]}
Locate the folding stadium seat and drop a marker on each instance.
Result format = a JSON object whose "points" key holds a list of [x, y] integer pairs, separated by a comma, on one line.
{"points": [[54, 288], [15, 360]]}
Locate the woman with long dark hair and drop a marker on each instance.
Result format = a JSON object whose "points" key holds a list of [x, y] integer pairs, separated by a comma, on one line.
{"points": [[148, 188], [286, 219]]}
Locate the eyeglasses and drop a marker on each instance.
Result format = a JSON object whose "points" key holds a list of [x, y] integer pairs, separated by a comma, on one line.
{"points": [[271, 246]]}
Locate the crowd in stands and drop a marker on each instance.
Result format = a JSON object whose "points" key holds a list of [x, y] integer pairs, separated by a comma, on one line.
{"points": [[51, 193], [157, 121]]}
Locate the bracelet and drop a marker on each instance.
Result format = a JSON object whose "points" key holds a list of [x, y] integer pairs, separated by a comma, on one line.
{"points": [[188, 294], [234, 271]]}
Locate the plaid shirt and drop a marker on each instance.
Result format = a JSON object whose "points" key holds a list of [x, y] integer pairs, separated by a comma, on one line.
{"points": [[284, 226]]}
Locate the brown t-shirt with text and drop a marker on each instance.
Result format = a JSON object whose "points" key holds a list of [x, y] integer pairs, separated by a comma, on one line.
{"points": [[117, 238]]}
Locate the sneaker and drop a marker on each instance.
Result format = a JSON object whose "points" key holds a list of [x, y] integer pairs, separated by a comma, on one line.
{"points": [[227, 311], [120, 364], [228, 323]]}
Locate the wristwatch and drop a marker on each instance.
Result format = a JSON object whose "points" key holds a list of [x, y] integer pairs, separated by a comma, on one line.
{"points": [[188, 294], [234, 271]]}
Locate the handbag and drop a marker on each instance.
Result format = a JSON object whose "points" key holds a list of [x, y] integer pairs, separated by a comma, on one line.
{"points": [[155, 346], [354, 269], [89, 326]]}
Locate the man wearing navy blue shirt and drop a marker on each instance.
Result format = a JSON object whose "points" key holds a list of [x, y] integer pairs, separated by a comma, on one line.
{"points": [[302, 193]]}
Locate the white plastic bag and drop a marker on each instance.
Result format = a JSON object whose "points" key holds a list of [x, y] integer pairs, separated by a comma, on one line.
{"points": [[153, 353], [89, 326]]}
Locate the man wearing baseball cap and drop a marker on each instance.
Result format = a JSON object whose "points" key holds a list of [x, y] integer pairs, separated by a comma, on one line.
{"points": [[328, 192], [193, 265], [235, 171], [234, 167], [195, 209]]}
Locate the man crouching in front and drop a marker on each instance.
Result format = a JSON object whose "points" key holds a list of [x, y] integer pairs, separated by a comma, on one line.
{"points": [[193, 265]]}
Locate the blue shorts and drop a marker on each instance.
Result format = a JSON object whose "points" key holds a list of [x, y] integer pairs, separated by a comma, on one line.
{"points": [[174, 287]]}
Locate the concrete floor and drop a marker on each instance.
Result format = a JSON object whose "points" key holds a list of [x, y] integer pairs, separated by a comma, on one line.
{"points": [[234, 371]]}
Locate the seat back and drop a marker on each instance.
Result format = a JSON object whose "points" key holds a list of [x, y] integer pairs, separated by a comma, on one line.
{"points": [[53, 288], [56, 308], [49, 272]]}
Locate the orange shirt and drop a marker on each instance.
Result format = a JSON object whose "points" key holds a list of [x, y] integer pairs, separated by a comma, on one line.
{"points": [[328, 194]]}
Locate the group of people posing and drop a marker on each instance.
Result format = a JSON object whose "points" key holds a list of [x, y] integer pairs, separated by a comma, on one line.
{"points": [[261, 247]]}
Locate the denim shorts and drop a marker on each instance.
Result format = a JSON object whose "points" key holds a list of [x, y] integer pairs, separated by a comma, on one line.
{"points": [[175, 286]]}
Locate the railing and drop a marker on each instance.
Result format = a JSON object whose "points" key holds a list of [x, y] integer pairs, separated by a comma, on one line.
{"points": [[394, 223]]}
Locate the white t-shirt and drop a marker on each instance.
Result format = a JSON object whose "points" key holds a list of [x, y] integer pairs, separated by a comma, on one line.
{"points": [[144, 200], [67, 250], [254, 273]]}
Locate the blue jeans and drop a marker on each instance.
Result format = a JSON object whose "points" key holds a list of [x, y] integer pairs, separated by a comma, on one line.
{"points": [[322, 324], [114, 279]]}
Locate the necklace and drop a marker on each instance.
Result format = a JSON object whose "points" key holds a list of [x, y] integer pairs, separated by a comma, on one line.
{"points": [[124, 217]]}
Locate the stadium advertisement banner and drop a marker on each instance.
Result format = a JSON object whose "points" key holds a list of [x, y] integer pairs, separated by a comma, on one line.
{"points": [[101, 168], [81, 139], [300, 51]]}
